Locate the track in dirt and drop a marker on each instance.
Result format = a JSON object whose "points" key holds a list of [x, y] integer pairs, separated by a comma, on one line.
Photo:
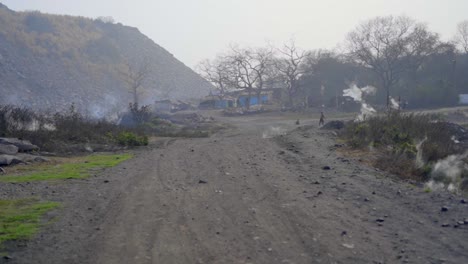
{"points": [[243, 197]]}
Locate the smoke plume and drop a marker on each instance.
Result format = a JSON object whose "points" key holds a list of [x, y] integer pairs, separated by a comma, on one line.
{"points": [[358, 96]]}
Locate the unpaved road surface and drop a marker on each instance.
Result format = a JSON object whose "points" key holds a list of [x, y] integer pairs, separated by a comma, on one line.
{"points": [[244, 196]]}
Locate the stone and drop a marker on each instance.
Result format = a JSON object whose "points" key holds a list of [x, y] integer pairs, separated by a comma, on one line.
{"points": [[444, 209], [6, 160], [326, 168], [40, 159], [8, 149], [335, 124], [202, 182], [23, 145], [380, 220]]}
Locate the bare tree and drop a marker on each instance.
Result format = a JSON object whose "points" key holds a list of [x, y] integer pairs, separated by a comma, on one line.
{"points": [[290, 67], [249, 68], [134, 75], [391, 46], [461, 37], [218, 72]]}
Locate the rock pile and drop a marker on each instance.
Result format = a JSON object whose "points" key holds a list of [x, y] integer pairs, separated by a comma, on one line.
{"points": [[15, 151], [334, 125]]}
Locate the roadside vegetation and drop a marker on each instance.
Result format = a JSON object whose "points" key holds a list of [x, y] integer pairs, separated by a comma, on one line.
{"points": [[76, 168], [20, 219], [71, 132], [64, 132], [412, 146]]}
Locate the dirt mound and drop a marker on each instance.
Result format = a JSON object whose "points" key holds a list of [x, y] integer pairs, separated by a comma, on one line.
{"points": [[334, 125]]}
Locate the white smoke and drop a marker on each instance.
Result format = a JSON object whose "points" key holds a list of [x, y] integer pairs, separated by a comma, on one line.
{"points": [[451, 167], [450, 170], [419, 155], [366, 111], [434, 186], [455, 140], [273, 131], [357, 94], [108, 109], [394, 104]]}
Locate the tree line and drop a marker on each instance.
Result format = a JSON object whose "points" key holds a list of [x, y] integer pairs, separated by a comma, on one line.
{"points": [[399, 56]]}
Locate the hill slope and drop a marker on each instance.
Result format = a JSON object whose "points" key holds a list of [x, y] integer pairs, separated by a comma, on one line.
{"points": [[48, 61]]}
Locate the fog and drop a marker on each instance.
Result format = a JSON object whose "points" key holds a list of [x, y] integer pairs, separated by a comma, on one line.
{"points": [[195, 30]]}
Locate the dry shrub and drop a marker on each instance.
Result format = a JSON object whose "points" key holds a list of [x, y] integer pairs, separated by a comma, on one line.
{"points": [[57, 132], [396, 137]]}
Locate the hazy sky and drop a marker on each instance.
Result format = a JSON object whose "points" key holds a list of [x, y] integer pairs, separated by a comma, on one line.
{"points": [[193, 30]]}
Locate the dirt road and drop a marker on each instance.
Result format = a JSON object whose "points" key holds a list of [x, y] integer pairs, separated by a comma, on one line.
{"points": [[244, 196]]}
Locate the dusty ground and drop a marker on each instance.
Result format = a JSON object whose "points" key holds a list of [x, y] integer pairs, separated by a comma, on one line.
{"points": [[244, 196]]}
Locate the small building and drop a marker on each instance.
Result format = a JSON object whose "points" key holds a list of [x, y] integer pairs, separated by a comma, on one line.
{"points": [[463, 99], [218, 102], [253, 99], [266, 96], [163, 106]]}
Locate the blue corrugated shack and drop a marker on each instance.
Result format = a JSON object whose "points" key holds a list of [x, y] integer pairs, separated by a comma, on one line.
{"points": [[254, 99]]}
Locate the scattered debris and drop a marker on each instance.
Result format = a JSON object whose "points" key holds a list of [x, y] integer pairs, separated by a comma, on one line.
{"points": [[350, 246]]}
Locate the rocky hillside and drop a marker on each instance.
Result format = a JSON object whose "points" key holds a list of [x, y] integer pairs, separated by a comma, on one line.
{"points": [[49, 61]]}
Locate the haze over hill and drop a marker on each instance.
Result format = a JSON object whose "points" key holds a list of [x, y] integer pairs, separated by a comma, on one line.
{"points": [[49, 61]]}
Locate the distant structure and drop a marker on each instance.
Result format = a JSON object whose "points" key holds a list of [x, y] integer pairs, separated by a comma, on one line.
{"points": [[240, 98], [463, 99]]}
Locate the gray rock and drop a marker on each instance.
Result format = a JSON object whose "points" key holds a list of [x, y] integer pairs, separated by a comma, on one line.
{"points": [[335, 124], [40, 159], [6, 160], [23, 145], [8, 149]]}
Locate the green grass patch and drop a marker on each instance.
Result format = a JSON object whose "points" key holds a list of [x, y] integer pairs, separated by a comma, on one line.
{"points": [[78, 169], [21, 219]]}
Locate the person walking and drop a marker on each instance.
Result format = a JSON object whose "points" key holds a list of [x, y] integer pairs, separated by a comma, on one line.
{"points": [[322, 119]]}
